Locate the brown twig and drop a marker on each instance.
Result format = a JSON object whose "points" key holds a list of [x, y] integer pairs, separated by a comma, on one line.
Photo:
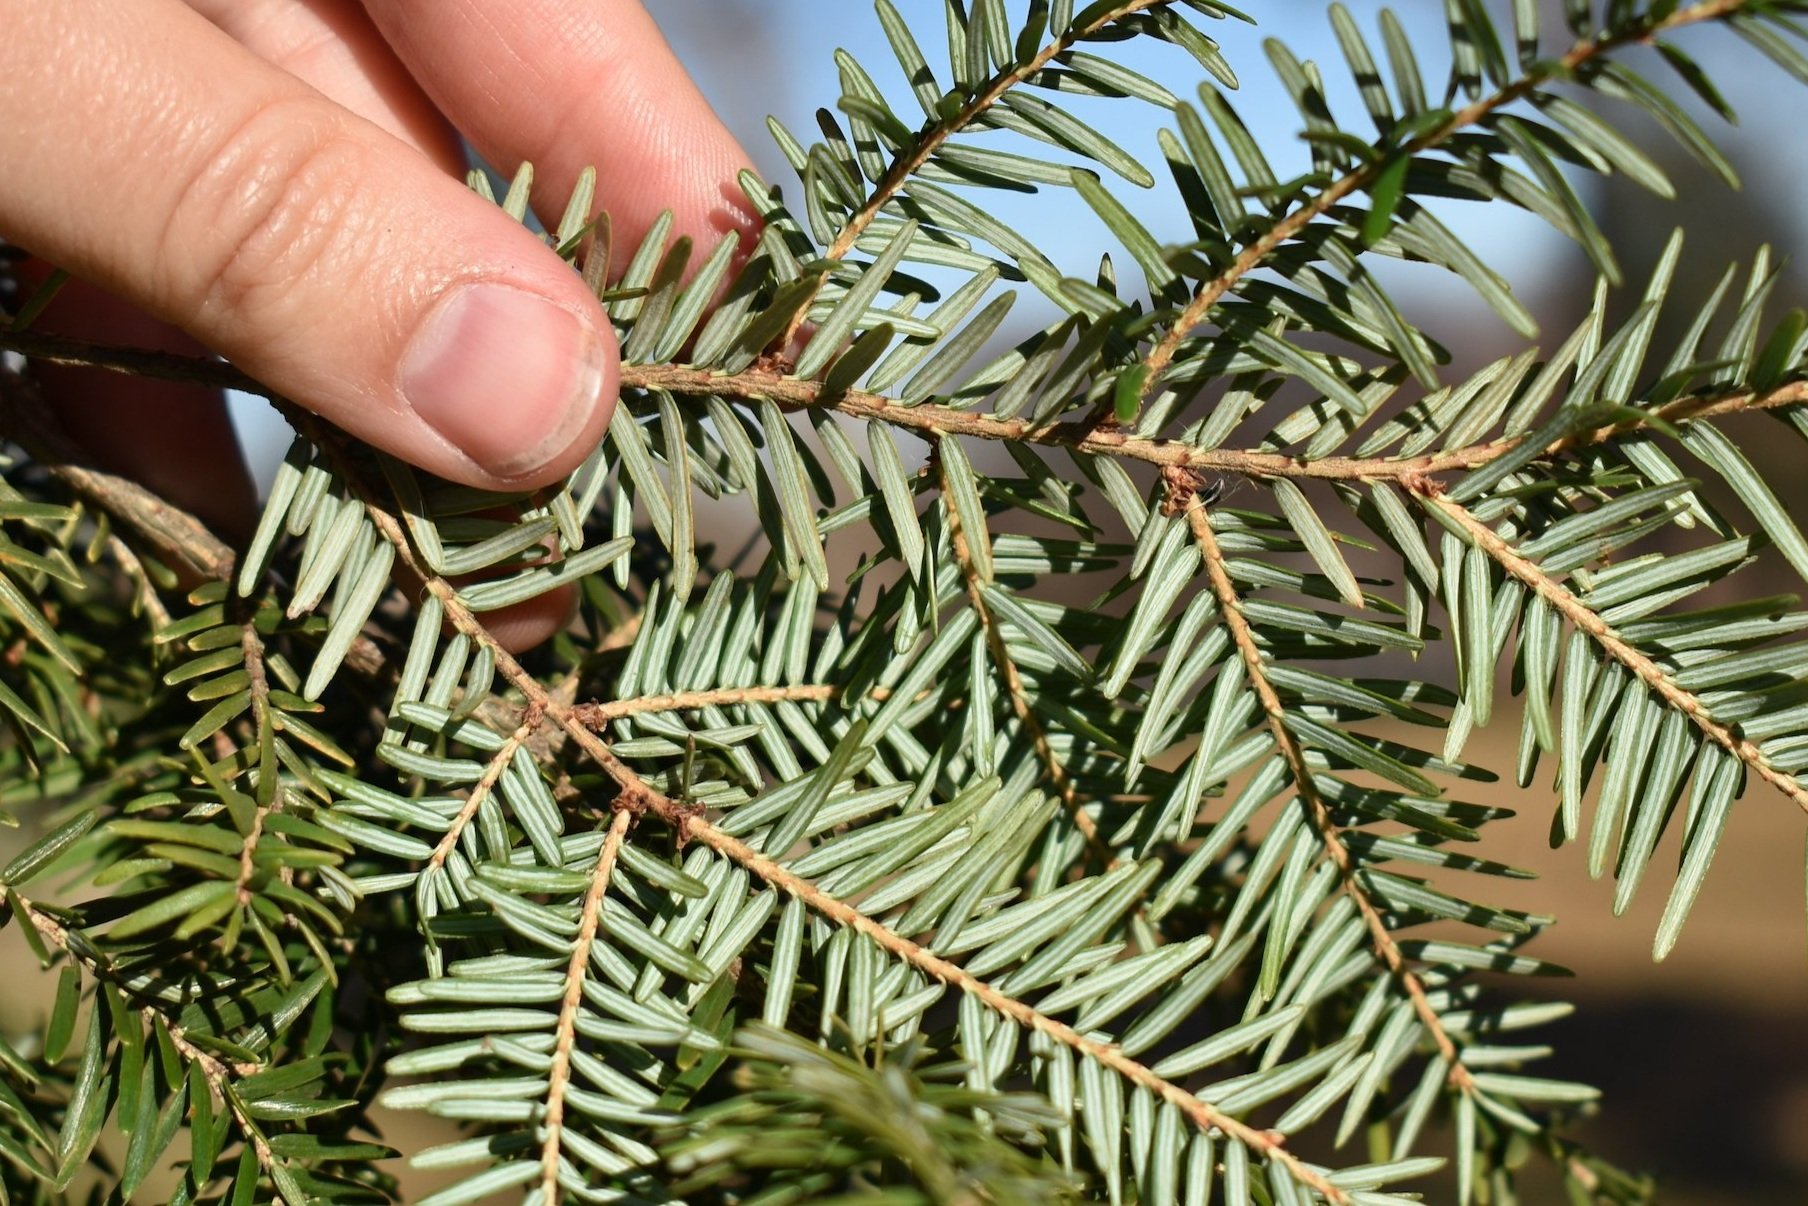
{"points": [[796, 394], [146, 590], [53, 932], [598, 715], [531, 720], [910, 161], [1057, 774], [251, 647], [1270, 1145], [636, 795], [792, 393], [215, 1070], [566, 1032], [1587, 620], [217, 1074], [1295, 223], [1230, 607]]}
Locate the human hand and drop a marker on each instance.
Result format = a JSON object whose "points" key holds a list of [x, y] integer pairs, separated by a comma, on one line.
{"points": [[280, 181]]}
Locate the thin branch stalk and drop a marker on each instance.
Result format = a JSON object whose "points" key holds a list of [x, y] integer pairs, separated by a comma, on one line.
{"points": [[145, 590], [215, 1070], [636, 795], [492, 771], [52, 931], [1270, 1145], [1295, 223], [909, 162], [1587, 620], [1057, 774], [251, 648], [597, 715], [797, 394], [1230, 607], [566, 1032]]}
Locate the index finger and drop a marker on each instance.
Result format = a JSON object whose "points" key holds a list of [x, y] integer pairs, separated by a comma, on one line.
{"points": [[569, 84]]}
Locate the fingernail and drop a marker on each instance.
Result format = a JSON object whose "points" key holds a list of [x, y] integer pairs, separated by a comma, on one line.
{"points": [[506, 375]]}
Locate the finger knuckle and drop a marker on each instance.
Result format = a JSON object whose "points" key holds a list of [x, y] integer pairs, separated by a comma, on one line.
{"points": [[274, 205]]}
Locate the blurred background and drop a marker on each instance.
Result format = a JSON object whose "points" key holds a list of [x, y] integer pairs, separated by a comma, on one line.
{"points": [[1705, 1075]]}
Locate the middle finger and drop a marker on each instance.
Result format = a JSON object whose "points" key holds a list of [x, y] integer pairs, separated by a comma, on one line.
{"points": [[332, 46]]}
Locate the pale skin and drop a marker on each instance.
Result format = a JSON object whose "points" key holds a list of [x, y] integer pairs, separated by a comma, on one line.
{"points": [[280, 182]]}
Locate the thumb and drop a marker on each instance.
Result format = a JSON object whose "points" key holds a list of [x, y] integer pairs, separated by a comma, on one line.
{"points": [[325, 257]]}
